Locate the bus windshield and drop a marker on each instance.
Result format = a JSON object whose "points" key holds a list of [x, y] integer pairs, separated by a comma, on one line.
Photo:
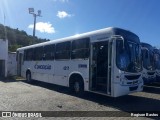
{"points": [[128, 56], [148, 60], [157, 61]]}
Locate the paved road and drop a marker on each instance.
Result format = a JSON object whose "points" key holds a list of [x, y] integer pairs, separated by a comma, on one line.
{"points": [[38, 96]]}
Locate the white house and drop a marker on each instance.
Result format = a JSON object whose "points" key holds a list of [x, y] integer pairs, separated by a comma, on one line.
{"points": [[3, 57]]}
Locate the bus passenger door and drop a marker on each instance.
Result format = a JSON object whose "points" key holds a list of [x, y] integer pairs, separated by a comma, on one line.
{"points": [[100, 67]]}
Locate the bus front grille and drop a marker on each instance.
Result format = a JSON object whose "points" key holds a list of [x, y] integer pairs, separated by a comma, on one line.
{"points": [[132, 77], [150, 73]]}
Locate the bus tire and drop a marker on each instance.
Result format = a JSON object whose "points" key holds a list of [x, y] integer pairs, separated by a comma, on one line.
{"points": [[77, 86], [28, 77]]}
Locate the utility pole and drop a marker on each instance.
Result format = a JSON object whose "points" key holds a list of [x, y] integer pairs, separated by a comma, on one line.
{"points": [[5, 30], [31, 11]]}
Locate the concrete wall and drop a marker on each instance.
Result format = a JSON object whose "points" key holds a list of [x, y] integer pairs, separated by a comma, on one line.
{"points": [[12, 64], [4, 54]]}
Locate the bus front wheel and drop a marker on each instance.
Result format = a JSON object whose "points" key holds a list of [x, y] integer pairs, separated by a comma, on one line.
{"points": [[77, 87]]}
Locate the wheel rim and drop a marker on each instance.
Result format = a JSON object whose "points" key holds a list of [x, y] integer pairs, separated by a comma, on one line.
{"points": [[28, 77], [76, 86]]}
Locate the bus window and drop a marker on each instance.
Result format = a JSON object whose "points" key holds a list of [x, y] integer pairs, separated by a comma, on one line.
{"points": [[24, 55], [29, 54], [146, 54], [80, 49], [49, 52], [17, 53], [38, 53], [63, 51]]}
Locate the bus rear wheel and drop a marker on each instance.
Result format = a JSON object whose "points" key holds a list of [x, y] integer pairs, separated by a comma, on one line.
{"points": [[28, 77]]}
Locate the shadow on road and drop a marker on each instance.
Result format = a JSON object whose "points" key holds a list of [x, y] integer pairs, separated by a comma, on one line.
{"points": [[152, 89], [11, 79], [128, 103], [124, 103]]}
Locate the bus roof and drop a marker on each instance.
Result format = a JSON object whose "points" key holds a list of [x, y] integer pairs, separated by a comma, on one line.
{"points": [[146, 45], [156, 50], [110, 31]]}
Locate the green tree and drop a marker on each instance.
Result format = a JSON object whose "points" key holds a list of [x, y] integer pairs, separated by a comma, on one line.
{"points": [[18, 38]]}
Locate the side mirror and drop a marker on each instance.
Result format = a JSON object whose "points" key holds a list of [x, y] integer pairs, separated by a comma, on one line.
{"points": [[122, 42], [118, 37]]}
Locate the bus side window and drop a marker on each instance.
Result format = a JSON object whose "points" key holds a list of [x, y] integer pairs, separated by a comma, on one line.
{"points": [[63, 51], [29, 54], [80, 49], [17, 53], [49, 52], [24, 55], [38, 53]]}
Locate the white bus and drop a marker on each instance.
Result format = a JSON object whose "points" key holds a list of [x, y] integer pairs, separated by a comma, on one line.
{"points": [[149, 68], [106, 61]]}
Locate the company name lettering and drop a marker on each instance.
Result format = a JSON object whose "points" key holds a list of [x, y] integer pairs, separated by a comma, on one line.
{"points": [[45, 67]]}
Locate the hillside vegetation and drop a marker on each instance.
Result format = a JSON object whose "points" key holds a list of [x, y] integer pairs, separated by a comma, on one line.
{"points": [[17, 38]]}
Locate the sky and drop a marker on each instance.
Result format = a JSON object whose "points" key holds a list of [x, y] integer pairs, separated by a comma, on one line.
{"points": [[63, 18]]}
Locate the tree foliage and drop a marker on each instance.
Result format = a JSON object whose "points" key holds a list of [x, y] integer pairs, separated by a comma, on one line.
{"points": [[18, 38]]}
